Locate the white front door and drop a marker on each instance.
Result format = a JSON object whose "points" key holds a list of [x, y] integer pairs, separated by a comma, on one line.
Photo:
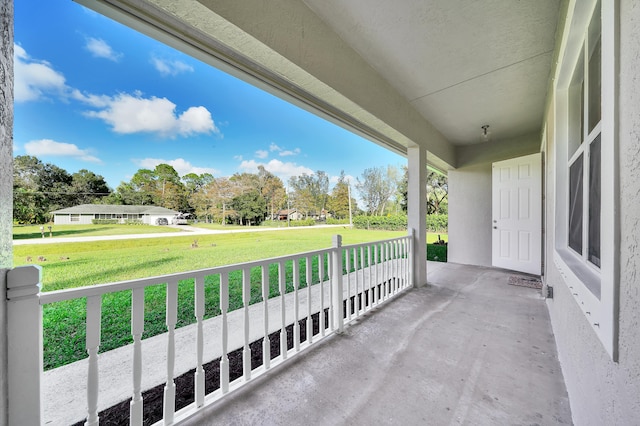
{"points": [[517, 214]]}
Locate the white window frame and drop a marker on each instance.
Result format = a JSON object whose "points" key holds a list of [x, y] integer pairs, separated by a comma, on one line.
{"points": [[580, 276]]}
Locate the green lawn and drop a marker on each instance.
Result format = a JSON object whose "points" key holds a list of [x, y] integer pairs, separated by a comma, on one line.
{"points": [[69, 265], [33, 231]]}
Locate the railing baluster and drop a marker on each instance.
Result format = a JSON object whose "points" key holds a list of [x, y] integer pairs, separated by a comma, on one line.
{"points": [[266, 343], [394, 265], [296, 307], [370, 274], [321, 284], [308, 265], [224, 308], [356, 292], [172, 318], [376, 264], [387, 273], [246, 298], [283, 309], [137, 328], [363, 263], [199, 313], [348, 306], [94, 311]]}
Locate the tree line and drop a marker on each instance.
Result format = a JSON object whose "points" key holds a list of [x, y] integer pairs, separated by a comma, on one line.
{"points": [[243, 198]]}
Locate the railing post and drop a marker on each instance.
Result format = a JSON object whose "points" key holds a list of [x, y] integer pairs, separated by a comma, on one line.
{"points": [[336, 270], [411, 255], [24, 338]]}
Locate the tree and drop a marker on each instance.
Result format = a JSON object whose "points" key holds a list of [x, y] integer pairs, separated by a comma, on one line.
{"points": [[161, 187], [250, 207], [272, 189], [376, 188], [338, 202], [38, 189], [310, 192], [88, 187], [437, 192]]}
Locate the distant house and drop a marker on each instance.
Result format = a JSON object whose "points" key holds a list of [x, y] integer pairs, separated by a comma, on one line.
{"points": [[84, 214], [290, 214]]}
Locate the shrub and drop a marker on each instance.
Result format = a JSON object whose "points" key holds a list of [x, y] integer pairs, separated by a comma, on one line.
{"points": [[437, 252], [332, 221], [104, 221], [133, 222], [302, 222], [435, 222]]}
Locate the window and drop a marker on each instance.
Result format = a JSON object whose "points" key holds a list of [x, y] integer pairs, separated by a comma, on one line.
{"points": [[584, 148], [75, 218], [586, 190]]}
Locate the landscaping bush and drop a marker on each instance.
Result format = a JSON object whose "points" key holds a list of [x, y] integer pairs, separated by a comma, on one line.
{"points": [[389, 223], [437, 252], [104, 221], [302, 222], [332, 221], [133, 222], [435, 222]]}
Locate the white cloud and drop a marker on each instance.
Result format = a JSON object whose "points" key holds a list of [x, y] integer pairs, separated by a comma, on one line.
{"points": [[48, 147], [166, 67], [128, 114], [34, 79], [274, 147], [101, 49], [282, 152], [282, 170], [182, 166], [237, 157], [288, 153], [262, 153]]}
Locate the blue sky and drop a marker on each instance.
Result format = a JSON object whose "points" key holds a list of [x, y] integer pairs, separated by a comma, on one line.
{"points": [[91, 93]]}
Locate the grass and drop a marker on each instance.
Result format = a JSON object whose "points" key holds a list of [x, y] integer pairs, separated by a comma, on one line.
{"points": [[71, 265], [21, 232]]}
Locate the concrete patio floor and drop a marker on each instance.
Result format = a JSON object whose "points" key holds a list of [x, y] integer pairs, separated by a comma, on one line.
{"points": [[467, 349]]}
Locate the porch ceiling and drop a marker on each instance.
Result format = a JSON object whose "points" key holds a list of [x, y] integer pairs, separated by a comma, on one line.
{"points": [[460, 64]]}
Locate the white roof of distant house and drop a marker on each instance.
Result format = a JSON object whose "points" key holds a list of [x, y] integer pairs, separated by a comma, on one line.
{"points": [[114, 208]]}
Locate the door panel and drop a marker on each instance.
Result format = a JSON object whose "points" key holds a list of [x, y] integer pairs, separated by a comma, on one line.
{"points": [[516, 241]]}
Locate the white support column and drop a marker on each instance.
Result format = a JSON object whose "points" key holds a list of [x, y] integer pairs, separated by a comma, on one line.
{"points": [[24, 336], [336, 278], [6, 189], [417, 211]]}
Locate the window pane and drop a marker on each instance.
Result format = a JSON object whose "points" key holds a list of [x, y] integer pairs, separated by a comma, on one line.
{"points": [[576, 107], [594, 87], [593, 42], [594, 202], [575, 205]]}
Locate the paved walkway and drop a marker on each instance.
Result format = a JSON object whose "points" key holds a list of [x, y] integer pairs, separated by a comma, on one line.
{"points": [[467, 350]]}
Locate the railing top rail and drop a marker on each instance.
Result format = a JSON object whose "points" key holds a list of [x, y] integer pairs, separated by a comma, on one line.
{"points": [[372, 243], [100, 289]]}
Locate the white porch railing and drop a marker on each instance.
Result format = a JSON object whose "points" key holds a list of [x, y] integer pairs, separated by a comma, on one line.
{"points": [[341, 282]]}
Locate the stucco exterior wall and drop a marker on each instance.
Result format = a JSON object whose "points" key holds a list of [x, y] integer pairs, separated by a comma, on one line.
{"points": [[470, 215], [6, 182], [602, 391]]}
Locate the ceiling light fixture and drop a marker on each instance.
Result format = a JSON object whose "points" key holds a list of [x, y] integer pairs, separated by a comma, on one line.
{"points": [[485, 135]]}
